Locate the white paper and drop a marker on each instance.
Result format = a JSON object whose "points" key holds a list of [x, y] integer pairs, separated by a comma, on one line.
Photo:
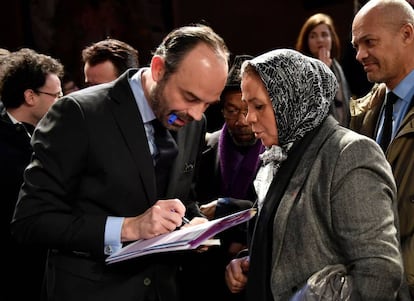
{"points": [[183, 239]]}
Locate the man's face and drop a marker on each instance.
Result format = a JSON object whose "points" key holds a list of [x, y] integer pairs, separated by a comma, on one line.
{"points": [[46, 96], [234, 112], [188, 92], [260, 113], [104, 72], [379, 48]]}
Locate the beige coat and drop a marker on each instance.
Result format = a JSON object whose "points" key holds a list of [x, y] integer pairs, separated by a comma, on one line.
{"points": [[400, 154]]}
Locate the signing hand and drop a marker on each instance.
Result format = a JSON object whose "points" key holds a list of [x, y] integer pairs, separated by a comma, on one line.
{"points": [[165, 216]]}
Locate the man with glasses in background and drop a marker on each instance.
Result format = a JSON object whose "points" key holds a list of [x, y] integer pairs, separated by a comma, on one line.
{"points": [[224, 185], [29, 85]]}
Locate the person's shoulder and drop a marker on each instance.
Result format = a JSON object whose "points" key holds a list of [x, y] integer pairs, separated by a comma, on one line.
{"points": [[356, 144], [368, 101], [342, 136]]}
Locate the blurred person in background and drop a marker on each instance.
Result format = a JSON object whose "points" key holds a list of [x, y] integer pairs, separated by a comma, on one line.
{"points": [[30, 83], [106, 60], [318, 38], [224, 185]]}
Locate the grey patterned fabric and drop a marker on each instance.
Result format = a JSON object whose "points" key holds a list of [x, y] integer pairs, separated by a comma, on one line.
{"points": [[301, 89]]}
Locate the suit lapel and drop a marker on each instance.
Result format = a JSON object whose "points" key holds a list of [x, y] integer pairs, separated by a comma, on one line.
{"points": [[126, 114]]}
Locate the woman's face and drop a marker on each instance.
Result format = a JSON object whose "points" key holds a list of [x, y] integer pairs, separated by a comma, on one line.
{"points": [[260, 114], [319, 39]]}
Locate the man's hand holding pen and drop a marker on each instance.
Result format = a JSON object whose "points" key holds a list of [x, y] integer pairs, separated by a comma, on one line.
{"points": [[193, 222], [163, 217]]}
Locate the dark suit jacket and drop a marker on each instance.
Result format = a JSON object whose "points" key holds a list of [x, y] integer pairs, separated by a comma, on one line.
{"points": [[92, 161], [25, 265]]}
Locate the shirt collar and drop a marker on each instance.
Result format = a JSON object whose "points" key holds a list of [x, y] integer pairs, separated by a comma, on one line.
{"points": [[14, 120], [405, 89], [136, 85]]}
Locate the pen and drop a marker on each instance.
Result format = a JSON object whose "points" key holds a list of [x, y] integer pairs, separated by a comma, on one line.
{"points": [[185, 220], [172, 118]]}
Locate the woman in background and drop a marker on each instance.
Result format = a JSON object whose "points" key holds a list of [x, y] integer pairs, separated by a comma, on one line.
{"points": [[318, 38]]}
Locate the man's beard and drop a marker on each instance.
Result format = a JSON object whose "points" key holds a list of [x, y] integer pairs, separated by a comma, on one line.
{"points": [[159, 106], [156, 99]]}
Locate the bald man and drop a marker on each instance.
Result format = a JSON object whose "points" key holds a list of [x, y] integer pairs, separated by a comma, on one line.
{"points": [[383, 36]]}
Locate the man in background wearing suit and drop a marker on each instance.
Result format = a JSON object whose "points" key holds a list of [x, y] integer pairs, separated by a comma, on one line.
{"points": [[94, 183], [106, 60], [29, 85]]}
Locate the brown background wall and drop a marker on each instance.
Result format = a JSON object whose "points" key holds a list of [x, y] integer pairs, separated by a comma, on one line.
{"points": [[260, 25], [63, 28]]}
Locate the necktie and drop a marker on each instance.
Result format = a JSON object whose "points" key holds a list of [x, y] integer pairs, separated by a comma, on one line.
{"points": [[167, 151], [390, 99]]}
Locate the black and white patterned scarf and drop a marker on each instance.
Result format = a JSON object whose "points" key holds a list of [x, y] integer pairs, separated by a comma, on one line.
{"points": [[301, 90]]}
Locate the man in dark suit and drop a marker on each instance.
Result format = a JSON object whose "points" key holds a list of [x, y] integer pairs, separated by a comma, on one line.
{"points": [[29, 85], [93, 186]]}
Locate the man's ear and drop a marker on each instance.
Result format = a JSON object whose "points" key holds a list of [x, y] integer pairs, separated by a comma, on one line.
{"points": [[157, 67], [29, 97], [407, 33]]}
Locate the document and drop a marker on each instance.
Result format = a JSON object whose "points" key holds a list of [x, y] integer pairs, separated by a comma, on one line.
{"points": [[186, 238]]}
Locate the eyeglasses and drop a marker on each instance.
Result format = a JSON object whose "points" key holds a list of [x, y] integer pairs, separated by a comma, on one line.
{"points": [[233, 113], [54, 95]]}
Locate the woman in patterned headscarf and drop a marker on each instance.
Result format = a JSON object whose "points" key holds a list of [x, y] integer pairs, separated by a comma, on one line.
{"points": [[326, 195]]}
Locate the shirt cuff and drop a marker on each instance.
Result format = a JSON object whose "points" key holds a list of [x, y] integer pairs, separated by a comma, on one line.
{"points": [[113, 229]]}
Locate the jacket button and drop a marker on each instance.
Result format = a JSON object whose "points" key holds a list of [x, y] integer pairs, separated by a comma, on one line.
{"points": [[147, 281]]}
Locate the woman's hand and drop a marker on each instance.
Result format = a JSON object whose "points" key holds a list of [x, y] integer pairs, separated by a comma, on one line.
{"points": [[236, 274], [325, 56]]}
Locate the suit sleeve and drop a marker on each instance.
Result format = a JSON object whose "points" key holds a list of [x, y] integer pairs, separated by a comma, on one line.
{"points": [[46, 212]]}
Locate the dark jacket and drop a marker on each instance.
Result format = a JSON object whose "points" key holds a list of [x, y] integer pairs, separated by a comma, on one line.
{"points": [[25, 265], [92, 161]]}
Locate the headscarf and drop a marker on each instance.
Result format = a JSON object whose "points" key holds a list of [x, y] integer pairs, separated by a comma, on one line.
{"points": [[301, 89]]}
